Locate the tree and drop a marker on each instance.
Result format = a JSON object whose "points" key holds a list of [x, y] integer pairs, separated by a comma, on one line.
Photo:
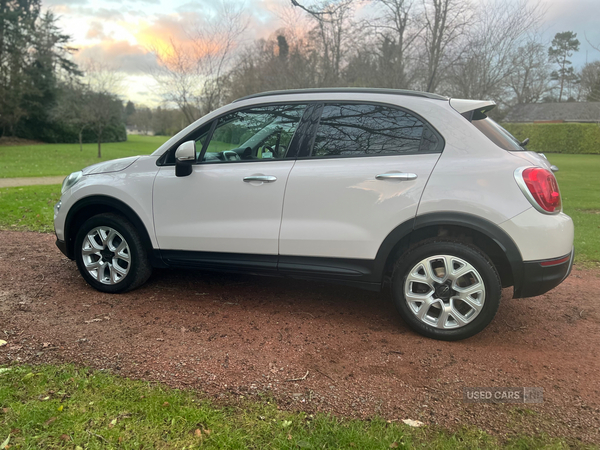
{"points": [[104, 110], [529, 78], [332, 30], [395, 39], [444, 23], [191, 75], [33, 57], [563, 46], [129, 112], [72, 109], [590, 81], [491, 54]]}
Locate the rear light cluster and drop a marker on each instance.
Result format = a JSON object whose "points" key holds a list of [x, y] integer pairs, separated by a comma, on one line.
{"points": [[540, 187]]}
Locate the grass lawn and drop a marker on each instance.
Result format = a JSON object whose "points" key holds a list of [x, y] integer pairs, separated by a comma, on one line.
{"points": [[52, 407], [47, 160], [28, 208], [579, 184]]}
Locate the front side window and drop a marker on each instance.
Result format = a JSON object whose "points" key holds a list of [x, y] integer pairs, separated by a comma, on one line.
{"points": [[370, 130], [259, 133]]}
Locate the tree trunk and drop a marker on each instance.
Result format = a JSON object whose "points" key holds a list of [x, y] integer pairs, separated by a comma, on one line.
{"points": [[80, 140], [99, 145]]}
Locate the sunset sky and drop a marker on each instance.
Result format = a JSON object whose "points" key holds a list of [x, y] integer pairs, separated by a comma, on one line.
{"points": [[120, 32]]}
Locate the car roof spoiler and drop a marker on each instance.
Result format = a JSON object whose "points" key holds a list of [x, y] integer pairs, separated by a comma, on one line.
{"points": [[472, 109]]}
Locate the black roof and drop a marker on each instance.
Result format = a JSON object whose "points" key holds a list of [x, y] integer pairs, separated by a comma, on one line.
{"points": [[347, 91], [548, 112]]}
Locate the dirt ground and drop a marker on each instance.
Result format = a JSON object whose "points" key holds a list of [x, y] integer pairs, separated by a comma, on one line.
{"points": [[348, 349]]}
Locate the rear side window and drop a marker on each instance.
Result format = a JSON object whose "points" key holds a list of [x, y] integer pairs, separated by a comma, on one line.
{"points": [[371, 130], [497, 134]]}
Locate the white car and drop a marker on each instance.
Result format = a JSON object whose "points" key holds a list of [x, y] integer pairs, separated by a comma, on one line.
{"points": [[364, 187]]}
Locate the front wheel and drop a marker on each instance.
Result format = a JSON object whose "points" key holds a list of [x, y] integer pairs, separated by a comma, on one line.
{"points": [[110, 255], [446, 289]]}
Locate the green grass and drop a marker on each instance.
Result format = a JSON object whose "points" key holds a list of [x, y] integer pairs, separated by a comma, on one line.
{"points": [[61, 159], [52, 407], [580, 189], [28, 208]]}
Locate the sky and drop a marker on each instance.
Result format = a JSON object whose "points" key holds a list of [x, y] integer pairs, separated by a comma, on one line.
{"points": [[120, 33]]}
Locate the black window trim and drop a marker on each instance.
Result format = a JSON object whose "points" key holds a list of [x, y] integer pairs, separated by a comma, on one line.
{"points": [[319, 104]]}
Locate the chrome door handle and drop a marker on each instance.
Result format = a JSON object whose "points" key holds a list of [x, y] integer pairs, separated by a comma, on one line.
{"points": [[263, 178], [400, 176]]}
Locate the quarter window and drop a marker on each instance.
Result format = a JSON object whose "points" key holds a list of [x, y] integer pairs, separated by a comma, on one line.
{"points": [[260, 133], [364, 130]]}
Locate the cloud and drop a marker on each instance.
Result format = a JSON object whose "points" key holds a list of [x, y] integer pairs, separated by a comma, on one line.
{"points": [[124, 57], [95, 31]]}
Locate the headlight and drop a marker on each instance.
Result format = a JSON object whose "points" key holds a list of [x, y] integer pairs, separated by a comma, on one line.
{"points": [[70, 181]]}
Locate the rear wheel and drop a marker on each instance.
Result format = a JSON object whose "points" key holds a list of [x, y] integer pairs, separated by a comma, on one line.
{"points": [[110, 255], [446, 289]]}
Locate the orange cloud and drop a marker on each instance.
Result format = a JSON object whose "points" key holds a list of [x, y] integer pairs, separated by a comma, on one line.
{"points": [[177, 40]]}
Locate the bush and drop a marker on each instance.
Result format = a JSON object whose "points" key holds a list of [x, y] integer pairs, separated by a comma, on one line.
{"points": [[574, 138]]}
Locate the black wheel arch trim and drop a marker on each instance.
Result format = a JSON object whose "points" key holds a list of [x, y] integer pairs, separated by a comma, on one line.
{"points": [[115, 205], [451, 218]]}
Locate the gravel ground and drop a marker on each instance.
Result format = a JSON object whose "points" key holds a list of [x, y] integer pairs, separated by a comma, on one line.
{"points": [[348, 351]]}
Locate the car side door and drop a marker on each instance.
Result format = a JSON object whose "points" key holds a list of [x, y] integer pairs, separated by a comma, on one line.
{"points": [[228, 210], [361, 177]]}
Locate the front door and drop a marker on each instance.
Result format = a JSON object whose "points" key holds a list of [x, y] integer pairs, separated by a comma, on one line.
{"points": [[232, 201]]}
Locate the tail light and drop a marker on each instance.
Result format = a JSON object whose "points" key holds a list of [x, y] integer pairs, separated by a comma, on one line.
{"points": [[540, 187]]}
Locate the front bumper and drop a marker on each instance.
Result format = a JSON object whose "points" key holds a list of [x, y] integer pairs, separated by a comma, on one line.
{"points": [[62, 246], [540, 277]]}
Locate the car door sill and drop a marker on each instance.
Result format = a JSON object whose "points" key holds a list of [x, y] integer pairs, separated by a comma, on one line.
{"points": [[345, 270]]}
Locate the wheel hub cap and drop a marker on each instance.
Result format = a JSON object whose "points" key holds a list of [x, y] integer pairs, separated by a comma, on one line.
{"points": [[444, 291]]}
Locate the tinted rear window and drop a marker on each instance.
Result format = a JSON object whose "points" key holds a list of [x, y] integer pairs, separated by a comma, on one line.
{"points": [[497, 134], [367, 130]]}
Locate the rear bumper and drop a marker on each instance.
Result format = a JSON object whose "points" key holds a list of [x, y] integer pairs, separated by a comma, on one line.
{"points": [[540, 277]]}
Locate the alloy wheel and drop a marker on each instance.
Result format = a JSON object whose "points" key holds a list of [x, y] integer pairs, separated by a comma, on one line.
{"points": [[444, 291]]}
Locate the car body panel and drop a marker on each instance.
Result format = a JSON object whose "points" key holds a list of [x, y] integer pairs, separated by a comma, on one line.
{"points": [[214, 210], [540, 236], [132, 186], [337, 208]]}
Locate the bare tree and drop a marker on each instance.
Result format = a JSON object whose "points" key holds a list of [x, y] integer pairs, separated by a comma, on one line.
{"points": [[333, 22], [529, 78], [396, 30], [191, 75], [72, 109], [445, 23], [499, 29], [590, 81]]}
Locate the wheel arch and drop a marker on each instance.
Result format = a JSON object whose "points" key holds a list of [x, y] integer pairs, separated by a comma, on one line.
{"points": [[482, 233], [91, 206]]}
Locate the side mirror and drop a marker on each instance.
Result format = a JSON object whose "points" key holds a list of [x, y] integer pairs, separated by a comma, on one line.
{"points": [[184, 158]]}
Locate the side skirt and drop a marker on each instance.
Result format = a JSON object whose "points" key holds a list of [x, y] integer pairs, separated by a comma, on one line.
{"points": [[350, 272]]}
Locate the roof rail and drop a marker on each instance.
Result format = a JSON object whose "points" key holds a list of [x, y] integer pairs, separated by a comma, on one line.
{"points": [[345, 90]]}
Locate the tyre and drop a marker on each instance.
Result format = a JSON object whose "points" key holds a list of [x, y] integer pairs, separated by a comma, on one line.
{"points": [[446, 289], [110, 255]]}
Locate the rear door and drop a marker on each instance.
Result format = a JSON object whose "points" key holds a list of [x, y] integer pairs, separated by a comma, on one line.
{"points": [[361, 176]]}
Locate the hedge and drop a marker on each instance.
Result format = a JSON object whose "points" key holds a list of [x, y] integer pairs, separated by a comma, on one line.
{"points": [[558, 137]]}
